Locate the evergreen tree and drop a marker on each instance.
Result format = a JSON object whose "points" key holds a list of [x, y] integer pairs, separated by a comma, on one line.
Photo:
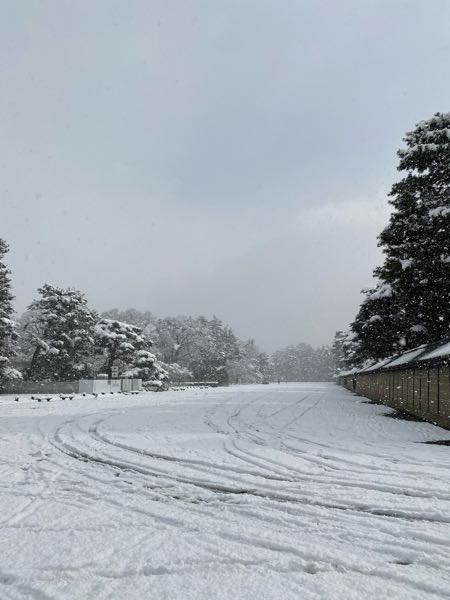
{"points": [[209, 349], [377, 328], [124, 345], [7, 325], [145, 366], [176, 373], [59, 327], [323, 364], [214, 347], [251, 366], [303, 363], [338, 351], [142, 319], [175, 338], [416, 244], [117, 343]]}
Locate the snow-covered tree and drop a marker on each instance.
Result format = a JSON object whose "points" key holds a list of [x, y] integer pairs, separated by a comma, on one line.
{"points": [[338, 350], [215, 346], [344, 351], [302, 362], [416, 241], [7, 325], [175, 339], [176, 373], [124, 345], [251, 366], [58, 327], [205, 347], [145, 366], [323, 363], [117, 343], [293, 363], [142, 319], [378, 326], [416, 244]]}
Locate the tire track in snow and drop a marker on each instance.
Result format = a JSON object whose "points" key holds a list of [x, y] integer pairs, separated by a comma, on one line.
{"points": [[256, 542], [254, 458], [292, 496]]}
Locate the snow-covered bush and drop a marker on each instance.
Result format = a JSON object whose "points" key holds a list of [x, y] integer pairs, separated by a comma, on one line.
{"points": [[12, 374]]}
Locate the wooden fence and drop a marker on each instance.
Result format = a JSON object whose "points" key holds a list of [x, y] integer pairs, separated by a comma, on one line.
{"points": [[422, 391]]}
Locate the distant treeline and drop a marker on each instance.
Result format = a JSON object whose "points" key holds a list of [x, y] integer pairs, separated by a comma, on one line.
{"points": [[59, 337]]}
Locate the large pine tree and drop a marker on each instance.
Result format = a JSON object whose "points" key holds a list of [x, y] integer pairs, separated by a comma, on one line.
{"points": [[125, 346], [416, 244], [7, 325], [378, 326], [59, 326]]}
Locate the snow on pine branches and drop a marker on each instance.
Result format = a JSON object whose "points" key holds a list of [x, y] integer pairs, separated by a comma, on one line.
{"points": [[59, 328], [416, 245], [8, 333], [124, 345]]}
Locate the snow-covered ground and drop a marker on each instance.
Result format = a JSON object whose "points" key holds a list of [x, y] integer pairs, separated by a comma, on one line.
{"points": [[299, 491]]}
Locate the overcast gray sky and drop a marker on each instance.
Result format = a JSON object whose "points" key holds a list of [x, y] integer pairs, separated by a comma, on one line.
{"points": [[211, 157]]}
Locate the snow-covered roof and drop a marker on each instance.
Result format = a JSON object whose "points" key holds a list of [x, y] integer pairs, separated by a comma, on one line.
{"points": [[421, 354], [416, 356], [378, 365], [438, 352], [408, 356], [351, 372]]}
